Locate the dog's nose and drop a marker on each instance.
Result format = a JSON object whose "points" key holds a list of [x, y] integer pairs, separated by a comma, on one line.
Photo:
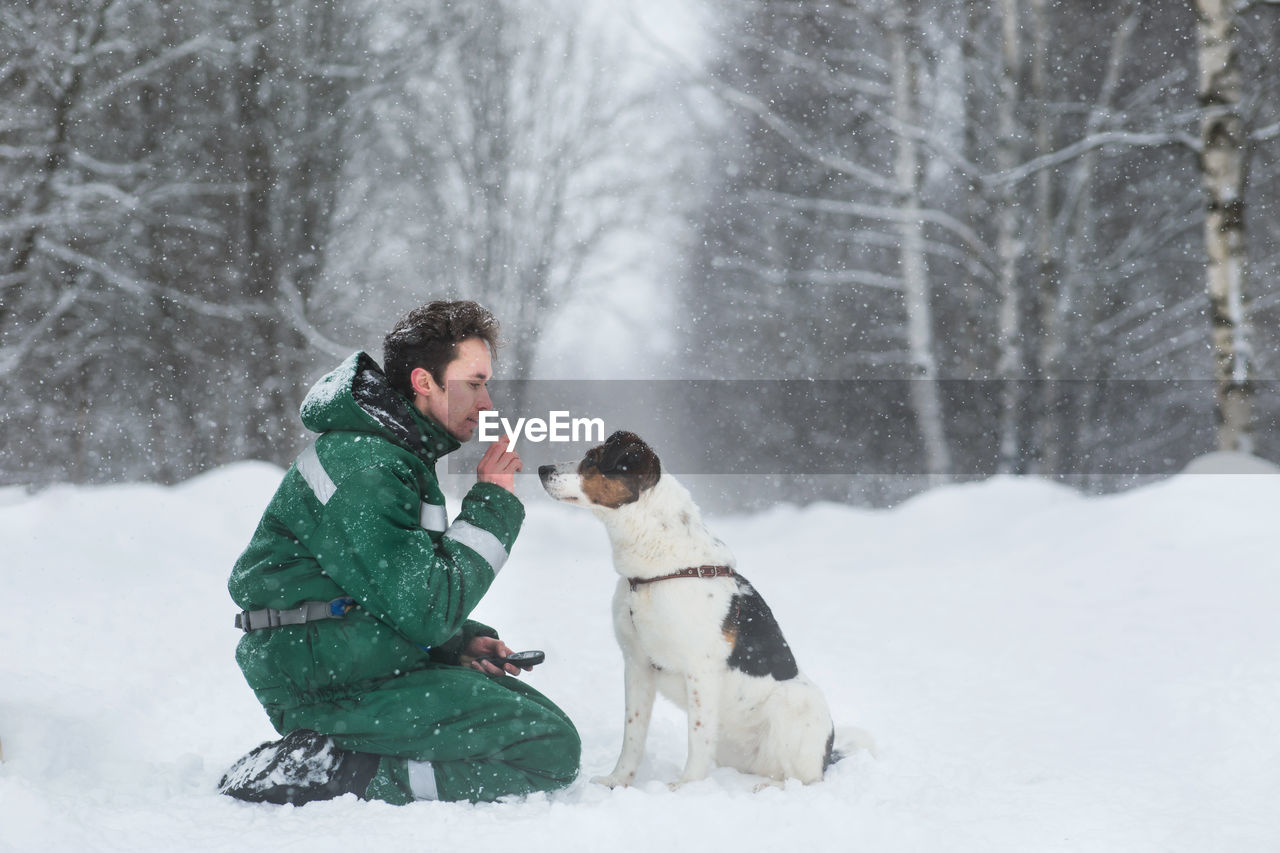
{"points": [[545, 471]]}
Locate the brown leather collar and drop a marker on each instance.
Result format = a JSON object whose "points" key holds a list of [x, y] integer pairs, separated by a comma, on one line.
{"points": [[692, 572]]}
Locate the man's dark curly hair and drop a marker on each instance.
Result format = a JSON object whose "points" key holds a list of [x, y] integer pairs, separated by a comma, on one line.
{"points": [[428, 337]]}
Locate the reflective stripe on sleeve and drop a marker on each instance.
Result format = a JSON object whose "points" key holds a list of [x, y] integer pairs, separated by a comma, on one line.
{"points": [[422, 780], [433, 517], [316, 477], [479, 540]]}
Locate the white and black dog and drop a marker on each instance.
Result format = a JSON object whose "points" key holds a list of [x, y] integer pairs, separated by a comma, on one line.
{"points": [[693, 628]]}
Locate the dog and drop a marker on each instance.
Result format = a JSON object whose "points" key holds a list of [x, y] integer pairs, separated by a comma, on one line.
{"points": [[693, 628]]}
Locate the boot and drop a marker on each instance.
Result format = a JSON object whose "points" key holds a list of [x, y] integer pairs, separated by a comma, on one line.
{"points": [[300, 768]]}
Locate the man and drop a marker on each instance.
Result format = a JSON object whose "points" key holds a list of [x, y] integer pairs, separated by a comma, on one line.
{"points": [[356, 592]]}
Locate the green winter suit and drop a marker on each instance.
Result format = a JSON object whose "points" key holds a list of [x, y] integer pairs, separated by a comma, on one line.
{"points": [[361, 515]]}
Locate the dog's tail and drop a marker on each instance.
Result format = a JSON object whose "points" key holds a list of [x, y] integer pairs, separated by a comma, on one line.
{"points": [[833, 755], [846, 741]]}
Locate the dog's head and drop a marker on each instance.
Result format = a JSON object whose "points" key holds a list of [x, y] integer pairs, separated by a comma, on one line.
{"points": [[611, 475]]}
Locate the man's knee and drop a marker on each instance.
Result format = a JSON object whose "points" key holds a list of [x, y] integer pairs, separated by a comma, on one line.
{"points": [[567, 754]]}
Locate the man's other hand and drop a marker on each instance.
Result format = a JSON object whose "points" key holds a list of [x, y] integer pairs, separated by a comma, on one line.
{"points": [[488, 647]]}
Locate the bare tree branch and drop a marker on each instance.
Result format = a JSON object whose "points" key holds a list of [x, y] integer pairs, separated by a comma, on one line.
{"points": [[1090, 143], [140, 287]]}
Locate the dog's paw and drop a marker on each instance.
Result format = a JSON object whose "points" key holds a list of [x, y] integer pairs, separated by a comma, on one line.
{"points": [[612, 781], [685, 780]]}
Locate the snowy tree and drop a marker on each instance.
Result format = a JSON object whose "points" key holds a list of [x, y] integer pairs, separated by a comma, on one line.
{"points": [[1224, 163], [197, 199], [161, 217], [979, 232], [87, 204], [925, 387], [525, 159], [1050, 225], [822, 240], [297, 71]]}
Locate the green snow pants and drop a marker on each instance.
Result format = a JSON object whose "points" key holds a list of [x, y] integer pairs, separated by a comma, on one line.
{"points": [[486, 738]]}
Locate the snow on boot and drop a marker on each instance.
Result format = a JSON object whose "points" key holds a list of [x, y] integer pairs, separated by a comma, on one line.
{"points": [[301, 767]]}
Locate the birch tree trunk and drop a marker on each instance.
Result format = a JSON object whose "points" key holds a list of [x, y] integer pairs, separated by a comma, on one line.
{"points": [[1223, 166], [926, 400], [1010, 364], [1049, 293]]}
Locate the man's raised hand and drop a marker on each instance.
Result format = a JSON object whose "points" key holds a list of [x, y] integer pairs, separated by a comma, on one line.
{"points": [[500, 465]]}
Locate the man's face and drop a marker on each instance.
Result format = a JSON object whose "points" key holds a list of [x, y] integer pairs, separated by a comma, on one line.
{"points": [[457, 406]]}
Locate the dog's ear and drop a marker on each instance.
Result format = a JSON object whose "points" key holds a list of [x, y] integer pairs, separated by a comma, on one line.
{"points": [[611, 452], [626, 454]]}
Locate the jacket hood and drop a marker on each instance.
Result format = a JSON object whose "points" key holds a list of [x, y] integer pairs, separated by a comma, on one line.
{"points": [[356, 397]]}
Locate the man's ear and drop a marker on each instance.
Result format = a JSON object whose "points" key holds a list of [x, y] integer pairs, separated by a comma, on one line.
{"points": [[422, 383]]}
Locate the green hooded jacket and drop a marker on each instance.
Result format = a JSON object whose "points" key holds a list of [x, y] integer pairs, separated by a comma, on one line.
{"points": [[360, 514]]}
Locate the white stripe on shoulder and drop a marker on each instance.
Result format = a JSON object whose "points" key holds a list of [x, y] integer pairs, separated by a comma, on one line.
{"points": [[479, 540], [433, 517], [317, 478]]}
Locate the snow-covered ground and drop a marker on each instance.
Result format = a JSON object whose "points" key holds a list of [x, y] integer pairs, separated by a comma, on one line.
{"points": [[1040, 671]]}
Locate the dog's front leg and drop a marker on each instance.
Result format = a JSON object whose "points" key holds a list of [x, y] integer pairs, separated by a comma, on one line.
{"points": [[703, 704], [641, 687]]}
